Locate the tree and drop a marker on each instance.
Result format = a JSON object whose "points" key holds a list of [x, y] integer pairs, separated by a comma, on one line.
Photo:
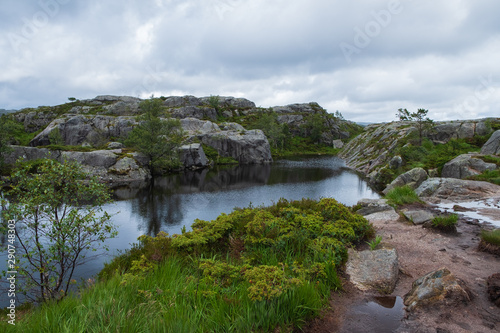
{"points": [[59, 222], [276, 133], [314, 127], [158, 138], [423, 122], [8, 126]]}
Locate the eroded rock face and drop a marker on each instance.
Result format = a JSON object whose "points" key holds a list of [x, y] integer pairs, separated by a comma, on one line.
{"points": [[492, 146], [192, 156], [465, 166], [456, 189], [413, 178], [373, 270], [438, 288]]}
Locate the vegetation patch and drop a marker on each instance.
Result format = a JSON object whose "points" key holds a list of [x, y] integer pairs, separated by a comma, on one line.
{"points": [[214, 157], [263, 269], [447, 223], [490, 241], [403, 195]]}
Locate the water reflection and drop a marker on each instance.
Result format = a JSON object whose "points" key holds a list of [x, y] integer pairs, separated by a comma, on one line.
{"points": [[174, 201]]}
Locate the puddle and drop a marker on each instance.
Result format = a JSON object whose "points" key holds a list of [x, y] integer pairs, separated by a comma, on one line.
{"points": [[483, 210], [378, 315]]}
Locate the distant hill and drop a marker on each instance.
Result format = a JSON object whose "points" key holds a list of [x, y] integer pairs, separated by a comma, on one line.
{"points": [[363, 123], [3, 111]]}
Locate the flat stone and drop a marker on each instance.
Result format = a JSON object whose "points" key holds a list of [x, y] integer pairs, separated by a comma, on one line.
{"points": [[418, 216]]}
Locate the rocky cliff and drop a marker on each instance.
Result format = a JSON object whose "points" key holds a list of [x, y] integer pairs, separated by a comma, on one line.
{"points": [[376, 152]]}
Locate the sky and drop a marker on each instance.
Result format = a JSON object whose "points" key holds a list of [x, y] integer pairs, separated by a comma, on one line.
{"points": [[364, 58]]}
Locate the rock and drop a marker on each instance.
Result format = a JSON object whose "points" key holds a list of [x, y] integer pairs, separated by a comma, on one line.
{"points": [[180, 101], [438, 288], [29, 154], [396, 162], [246, 147], [465, 166], [433, 173], [193, 156], [195, 127], [493, 283], [456, 189], [231, 127], [370, 206], [195, 112], [373, 270], [492, 146], [97, 158], [115, 145], [418, 216], [96, 130], [413, 178], [337, 144], [127, 170]]}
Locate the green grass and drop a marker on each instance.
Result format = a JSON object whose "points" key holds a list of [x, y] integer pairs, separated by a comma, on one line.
{"points": [[263, 269], [491, 237], [214, 156], [402, 196], [375, 242], [445, 223]]}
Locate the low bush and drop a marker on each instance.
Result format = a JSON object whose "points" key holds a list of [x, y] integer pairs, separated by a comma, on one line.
{"points": [[490, 241]]}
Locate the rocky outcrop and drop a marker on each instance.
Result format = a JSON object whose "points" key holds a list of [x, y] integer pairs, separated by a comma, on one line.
{"points": [[192, 156], [492, 146], [111, 166], [246, 147], [456, 189], [445, 131], [418, 216], [373, 270], [438, 288], [465, 166], [413, 178], [76, 130], [371, 206]]}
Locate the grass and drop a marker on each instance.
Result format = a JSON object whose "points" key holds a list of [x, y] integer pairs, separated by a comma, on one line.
{"points": [[491, 237], [400, 196], [375, 242], [446, 223], [265, 269]]}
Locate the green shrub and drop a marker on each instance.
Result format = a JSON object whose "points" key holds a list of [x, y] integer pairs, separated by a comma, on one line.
{"points": [[402, 195], [445, 223]]}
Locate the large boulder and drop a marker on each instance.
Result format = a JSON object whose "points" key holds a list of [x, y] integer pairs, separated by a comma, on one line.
{"points": [[438, 288], [192, 156], [412, 178], [492, 146], [456, 189], [196, 127], [246, 147], [465, 166], [373, 270], [194, 112], [371, 206]]}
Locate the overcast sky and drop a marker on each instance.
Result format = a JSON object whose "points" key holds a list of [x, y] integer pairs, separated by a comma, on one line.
{"points": [[364, 58]]}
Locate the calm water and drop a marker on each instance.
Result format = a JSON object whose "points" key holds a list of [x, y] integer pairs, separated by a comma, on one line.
{"points": [[177, 200]]}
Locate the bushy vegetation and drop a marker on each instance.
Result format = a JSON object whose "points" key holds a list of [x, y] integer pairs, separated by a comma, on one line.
{"points": [[491, 237], [402, 196], [254, 270], [214, 157], [446, 223]]}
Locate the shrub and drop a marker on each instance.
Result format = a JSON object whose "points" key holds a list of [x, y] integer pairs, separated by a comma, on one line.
{"points": [[445, 223], [402, 195]]}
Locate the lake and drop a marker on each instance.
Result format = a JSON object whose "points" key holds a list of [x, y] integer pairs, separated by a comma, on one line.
{"points": [[175, 201]]}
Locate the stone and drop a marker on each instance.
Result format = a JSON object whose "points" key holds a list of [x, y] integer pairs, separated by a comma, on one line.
{"points": [[465, 166], [337, 144], [370, 206], [246, 147], [435, 289], [493, 290], [413, 178], [492, 146], [231, 127], [396, 162], [456, 189], [193, 156], [418, 216], [195, 112], [373, 270], [196, 127], [115, 145]]}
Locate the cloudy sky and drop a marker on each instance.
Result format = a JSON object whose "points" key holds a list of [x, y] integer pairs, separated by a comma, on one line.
{"points": [[364, 58]]}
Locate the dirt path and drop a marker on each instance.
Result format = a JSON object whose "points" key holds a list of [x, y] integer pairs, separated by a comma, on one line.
{"points": [[421, 251]]}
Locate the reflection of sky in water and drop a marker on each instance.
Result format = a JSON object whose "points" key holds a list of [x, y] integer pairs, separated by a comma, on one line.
{"points": [[180, 199], [475, 207]]}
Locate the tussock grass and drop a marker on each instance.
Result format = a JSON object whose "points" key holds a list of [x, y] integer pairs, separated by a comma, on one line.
{"points": [[491, 237], [445, 223], [402, 196]]}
